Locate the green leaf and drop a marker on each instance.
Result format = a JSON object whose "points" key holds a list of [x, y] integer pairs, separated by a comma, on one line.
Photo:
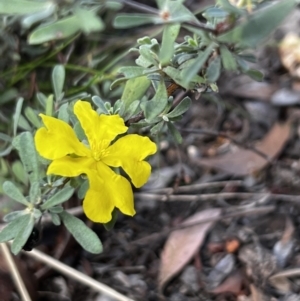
{"points": [[133, 20], [228, 60], [259, 25], [117, 82], [23, 235], [84, 235], [147, 57], [169, 37], [255, 74], [55, 219], [19, 172], [35, 192], [17, 114], [60, 197], [8, 96], [63, 113], [135, 89], [226, 5], [88, 20], [23, 7], [100, 104], [49, 105], [13, 215], [157, 128], [214, 12], [13, 192], [131, 110], [83, 189], [174, 133], [58, 80], [179, 13], [176, 76], [13, 228], [32, 117], [181, 108], [41, 97], [5, 138], [189, 73], [132, 71], [56, 209], [156, 105], [29, 20], [58, 30], [24, 124], [25, 146], [213, 70]]}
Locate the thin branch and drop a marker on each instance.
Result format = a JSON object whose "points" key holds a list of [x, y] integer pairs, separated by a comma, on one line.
{"points": [[76, 275], [15, 272], [195, 187], [214, 196]]}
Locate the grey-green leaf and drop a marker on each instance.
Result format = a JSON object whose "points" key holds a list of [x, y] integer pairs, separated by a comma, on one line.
{"points": [[228, 60], [189, 73], [58, 30], [23, 7], [88, 20], [18, 170], [13, 192], [132, 71], [23, 235], [181, 108], [259, 25], [156, 105], [255, 74], [32, 117], [133, 20], [135, 89], [100, 104], [170, 34], [174, 132], [17, 114], [25, 145], [58, 80], [213, 70], [13, 228], [60, 197], [84, 235], [34, 192]]}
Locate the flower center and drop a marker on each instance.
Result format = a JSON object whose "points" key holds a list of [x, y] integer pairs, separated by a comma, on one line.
{"points": [[99, 149]]}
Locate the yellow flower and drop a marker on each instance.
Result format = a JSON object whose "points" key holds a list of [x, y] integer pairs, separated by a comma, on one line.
{"points": [[58, 142]]}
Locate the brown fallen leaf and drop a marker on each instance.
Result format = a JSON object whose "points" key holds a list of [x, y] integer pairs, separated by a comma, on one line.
{"points": [[244, 161], [232, 284], [182, 245]]}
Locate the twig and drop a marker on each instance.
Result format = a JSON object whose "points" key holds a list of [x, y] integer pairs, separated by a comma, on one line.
{"points": [[15, 273], [220, 134], [76, 275], [214, 196], [195, 187], [164, 233], [286, 273]]}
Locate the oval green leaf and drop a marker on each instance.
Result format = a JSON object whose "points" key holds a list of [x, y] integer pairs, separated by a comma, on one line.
{"points": [[87, 238]]}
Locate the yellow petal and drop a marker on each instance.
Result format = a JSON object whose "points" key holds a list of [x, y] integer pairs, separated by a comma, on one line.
{"points": [[99, 129], [107, 190], [57, 139], [71, 167], [129, 153]]}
